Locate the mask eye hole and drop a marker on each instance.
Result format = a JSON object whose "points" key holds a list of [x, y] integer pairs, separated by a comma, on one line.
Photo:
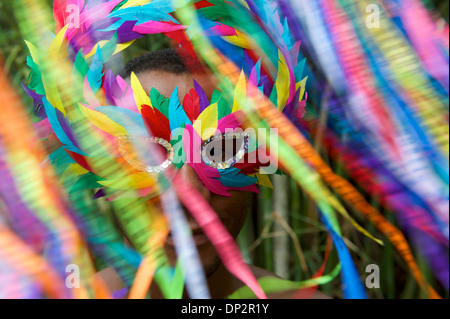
{"points": [[142, 156], [224, 150]]}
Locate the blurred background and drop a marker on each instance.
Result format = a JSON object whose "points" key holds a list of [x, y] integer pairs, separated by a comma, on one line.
{"points": [[283, 233]]}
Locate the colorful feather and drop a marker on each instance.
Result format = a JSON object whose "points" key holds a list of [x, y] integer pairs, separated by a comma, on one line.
{"points": [[103, 122], [60, 127], [232, 178], [140, 96], [191, 105], [156, 123], [95, 73], [177, 115], [240, 93], [207, 123], [152, 27]]}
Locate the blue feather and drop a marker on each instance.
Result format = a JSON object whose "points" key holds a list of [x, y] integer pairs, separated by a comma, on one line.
{"points": [[177, 115], [231, 178], [157, 10], [58, 129], [95, 73], [299, 69], [287, 35], [352, 286]]}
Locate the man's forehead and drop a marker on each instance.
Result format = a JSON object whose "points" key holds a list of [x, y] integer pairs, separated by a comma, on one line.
{"points": [[165, 83]]}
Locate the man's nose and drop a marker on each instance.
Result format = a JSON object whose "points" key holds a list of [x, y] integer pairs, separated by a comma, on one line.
{"points": [[189, 174]]}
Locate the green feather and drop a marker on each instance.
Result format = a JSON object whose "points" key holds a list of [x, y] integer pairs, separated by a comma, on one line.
{"points": [[223, 106], [159, 102], [109, 48], [86, 181], [35, 78], [80, 69]]}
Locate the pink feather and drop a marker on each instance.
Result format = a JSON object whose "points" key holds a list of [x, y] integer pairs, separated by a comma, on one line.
{"points": [[222, 30], [127, 101], [295, 51], [89, 96], [210, 178], [122, 83], [252, 87], [229, 122], [88, 17], [152, 27]]}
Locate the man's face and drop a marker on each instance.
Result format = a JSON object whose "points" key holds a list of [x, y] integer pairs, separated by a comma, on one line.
{"points": [[231, 210]]}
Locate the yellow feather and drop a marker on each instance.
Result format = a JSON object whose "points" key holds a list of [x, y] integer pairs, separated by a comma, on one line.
{"points": [[122, 46], [103, 122], [264, 180], [119, 47], [245, 4], [302, 84], [52, 94], [282, 82], [35, 52], [94, 49], [240, 40], [54, 54], [207, 123], [73, 170], [135, 3], [240, 92], [54, 50], [134, 181], [140, 96]]}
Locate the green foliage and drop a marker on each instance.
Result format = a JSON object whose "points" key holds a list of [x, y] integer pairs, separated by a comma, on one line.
{"points": [[256, 239], [12, 47], [14, 51]]}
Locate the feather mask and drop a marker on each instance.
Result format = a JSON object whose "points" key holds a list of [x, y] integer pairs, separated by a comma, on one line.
{"points": [[146, 132]]}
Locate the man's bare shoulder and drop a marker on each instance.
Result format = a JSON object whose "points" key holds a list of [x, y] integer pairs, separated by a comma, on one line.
{"points": [[112, 280], [288, 294]]}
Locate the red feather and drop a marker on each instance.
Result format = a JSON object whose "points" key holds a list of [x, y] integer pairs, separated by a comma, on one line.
{"points": [[248, 167], [80, 160], [59, 7], [191, 105], [63, 9], [203, 4], [156, 123], [181, 38], [264, 70]]}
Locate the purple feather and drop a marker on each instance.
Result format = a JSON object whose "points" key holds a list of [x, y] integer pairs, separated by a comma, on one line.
{"points": [[267, 83], [125, 32], [27, 226], [38, 110], [249, 63], [87, 40], [100, 193], [204, 102], [112, 88], [291, 107], [65, 127]]}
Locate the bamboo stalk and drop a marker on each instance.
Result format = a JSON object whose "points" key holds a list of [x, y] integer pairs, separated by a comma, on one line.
{"points": [[281, 253]]}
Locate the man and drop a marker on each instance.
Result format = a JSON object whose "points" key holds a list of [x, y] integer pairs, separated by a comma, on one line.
{"points": [[165, 71]]}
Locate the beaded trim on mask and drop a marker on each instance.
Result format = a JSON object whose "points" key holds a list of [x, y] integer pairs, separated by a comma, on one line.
{"points": [[232, 161], [139, 165]]}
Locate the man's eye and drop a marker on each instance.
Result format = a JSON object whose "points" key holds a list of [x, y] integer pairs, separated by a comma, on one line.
{"points": [[225, 150], [146, 154]]}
